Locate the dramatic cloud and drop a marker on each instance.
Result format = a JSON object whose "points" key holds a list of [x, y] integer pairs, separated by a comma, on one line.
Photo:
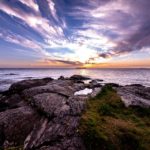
{"points": [[76, 32]]}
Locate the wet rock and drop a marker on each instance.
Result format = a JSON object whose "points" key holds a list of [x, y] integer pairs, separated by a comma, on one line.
{"points": [[25, 84], [11, 74], [79, 81], [94, 84], [79, 77], [99, 80], [112, 84], [137, 85], [61, 78]]}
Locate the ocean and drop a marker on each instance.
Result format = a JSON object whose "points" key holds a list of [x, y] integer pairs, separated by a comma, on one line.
{"points": [[120, 76]]}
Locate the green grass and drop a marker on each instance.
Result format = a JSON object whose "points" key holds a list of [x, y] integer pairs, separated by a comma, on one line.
{"points": [[108, 125]]}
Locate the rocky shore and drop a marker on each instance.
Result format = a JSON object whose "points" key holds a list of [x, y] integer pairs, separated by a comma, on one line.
{"points": [[44, 114]]}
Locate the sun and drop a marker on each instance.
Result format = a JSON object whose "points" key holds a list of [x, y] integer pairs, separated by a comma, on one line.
{"points": [[88, 65]]}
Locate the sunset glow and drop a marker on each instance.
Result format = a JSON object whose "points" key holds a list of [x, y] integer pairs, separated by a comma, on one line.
{"points": [[79, 33]]}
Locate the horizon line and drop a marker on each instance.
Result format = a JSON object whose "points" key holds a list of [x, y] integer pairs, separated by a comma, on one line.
{"points": [[74, 68]]}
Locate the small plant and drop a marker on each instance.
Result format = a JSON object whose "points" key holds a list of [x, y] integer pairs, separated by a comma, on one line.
{"points": [[105, 109], [95, 140], [129, 140]]}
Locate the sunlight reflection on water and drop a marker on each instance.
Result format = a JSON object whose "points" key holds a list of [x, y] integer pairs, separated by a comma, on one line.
{"points": [[121, 76]]}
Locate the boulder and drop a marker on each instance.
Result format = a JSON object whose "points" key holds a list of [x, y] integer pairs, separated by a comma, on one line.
{"points": [[26, 84], [51, 104], [59, 133], [94, 84], [99, 80], [112, 84], [63, 87], [79, 77], [11, 74], [135, 95], [61, 78]]}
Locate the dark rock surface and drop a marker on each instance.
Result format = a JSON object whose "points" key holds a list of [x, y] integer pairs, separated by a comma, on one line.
{"points": [[44, 114], [11, 74], [25, 84], [94, 84], [79, 77], [113, 84], [16, 125]]}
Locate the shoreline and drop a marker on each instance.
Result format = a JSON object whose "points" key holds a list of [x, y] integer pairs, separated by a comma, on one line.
{"points": [[45, 113]]}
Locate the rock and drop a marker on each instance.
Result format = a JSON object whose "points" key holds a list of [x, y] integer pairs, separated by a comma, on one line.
{"points": [[3, 106], [135, 95], [2, 135], [58, 133], [25, 84], [51, 104], [61, 78], [11, 74], [99, 80], [94, 84], [9, 102], [50, 148], [112, 84], [35, 134], [136, 85], [16, 124], [44, 114], [95, 92], [79, 77], [62, 87], [77, 104], [79, 81]]}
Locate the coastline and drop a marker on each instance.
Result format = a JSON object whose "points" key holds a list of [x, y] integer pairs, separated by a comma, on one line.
{"points": [[45, 113], [120, 76]]}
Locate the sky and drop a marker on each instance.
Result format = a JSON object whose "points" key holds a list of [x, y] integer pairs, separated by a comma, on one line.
{"points": [[75, 33]]}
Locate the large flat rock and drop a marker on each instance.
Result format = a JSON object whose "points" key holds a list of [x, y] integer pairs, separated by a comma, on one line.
{"points": [[135, 95]]}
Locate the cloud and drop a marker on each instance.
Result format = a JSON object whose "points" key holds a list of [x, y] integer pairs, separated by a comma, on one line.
{"points": [[37, 22], [93, 31], [117, 22], [31, 4], [27, 43]]}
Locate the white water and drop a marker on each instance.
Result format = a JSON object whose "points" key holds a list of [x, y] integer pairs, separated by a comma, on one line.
{"points": [[86, 91]]}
